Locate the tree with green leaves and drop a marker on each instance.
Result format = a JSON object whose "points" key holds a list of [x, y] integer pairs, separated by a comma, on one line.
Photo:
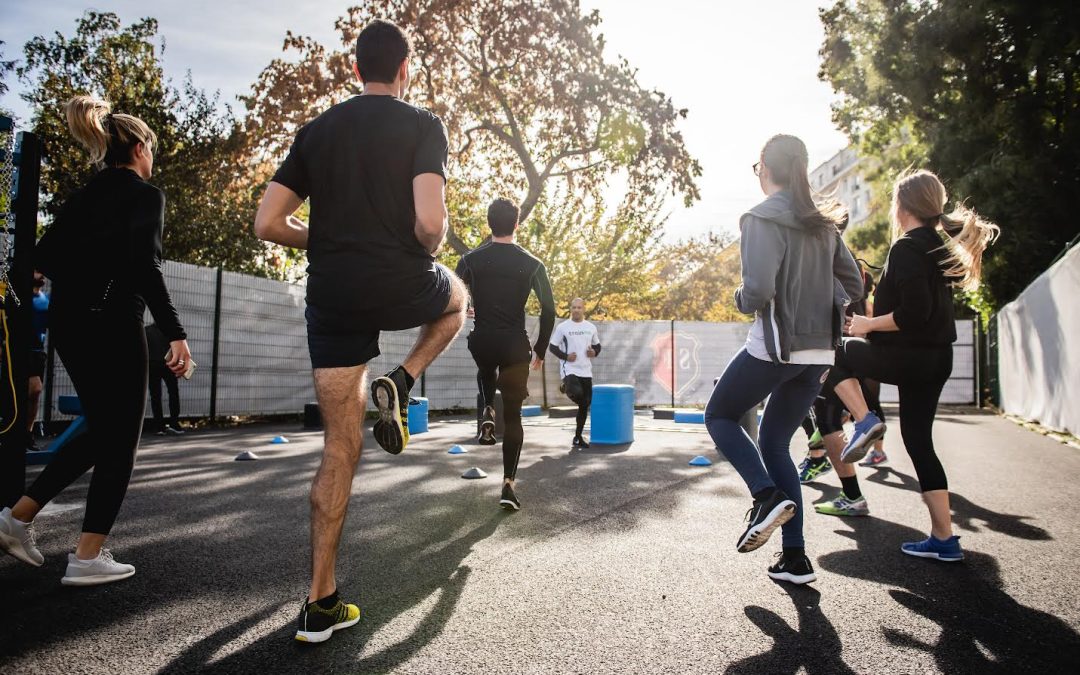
{"points": [[526, 92], [986, 93], [6, 67], [201, 157], [696, 280]]}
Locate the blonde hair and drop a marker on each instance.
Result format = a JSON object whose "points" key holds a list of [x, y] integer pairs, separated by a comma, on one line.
{"points": [[108, 137], [787, 161], [922, 194]]}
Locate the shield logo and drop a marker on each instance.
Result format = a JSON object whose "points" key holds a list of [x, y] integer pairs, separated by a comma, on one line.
{"points": [[687, 368]]}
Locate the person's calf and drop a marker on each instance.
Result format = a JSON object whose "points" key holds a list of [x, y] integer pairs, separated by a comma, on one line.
{"points": [[834, 446]]}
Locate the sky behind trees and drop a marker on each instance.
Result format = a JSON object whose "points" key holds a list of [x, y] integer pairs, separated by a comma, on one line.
{"points": [[744, 71]]}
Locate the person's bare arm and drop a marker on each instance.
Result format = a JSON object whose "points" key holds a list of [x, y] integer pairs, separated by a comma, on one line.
{"points": [[429, 201], [275, 222], [861, 326]]}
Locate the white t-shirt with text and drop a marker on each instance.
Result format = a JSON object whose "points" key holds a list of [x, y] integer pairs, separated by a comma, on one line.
{"points": [[575, 337]]}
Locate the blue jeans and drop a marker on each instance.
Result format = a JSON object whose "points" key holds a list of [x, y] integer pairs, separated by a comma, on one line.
{"points": [[791, 390]]}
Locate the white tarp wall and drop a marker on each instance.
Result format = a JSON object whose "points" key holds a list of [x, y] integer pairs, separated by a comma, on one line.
{"points": [[264, 369], [1038, 364]]}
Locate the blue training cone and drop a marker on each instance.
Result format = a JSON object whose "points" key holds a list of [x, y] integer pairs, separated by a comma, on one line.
{"points": [[278, 440], [701, 460], [457, 450]]}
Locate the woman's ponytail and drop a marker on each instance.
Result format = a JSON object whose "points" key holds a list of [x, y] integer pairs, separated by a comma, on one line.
{"points": [[787, 161], [923, 195], [86, 119], [108, 137]]}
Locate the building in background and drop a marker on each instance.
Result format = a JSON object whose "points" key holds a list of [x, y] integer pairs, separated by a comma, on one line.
{"points": [[841, 177]]}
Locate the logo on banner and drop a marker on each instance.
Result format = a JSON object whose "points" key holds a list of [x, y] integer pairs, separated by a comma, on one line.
{"points": [[687, 366]]}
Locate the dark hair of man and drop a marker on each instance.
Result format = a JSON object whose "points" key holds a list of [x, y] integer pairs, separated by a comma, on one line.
{"points": [[502, 217], [380, 49]]}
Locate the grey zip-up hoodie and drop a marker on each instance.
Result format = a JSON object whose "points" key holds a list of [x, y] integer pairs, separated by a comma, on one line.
{"points": [[798, 282]]}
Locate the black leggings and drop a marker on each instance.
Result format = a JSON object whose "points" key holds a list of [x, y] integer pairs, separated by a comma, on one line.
{"points": [[919, 373], [499, 365], [159, 373], [828, 410], [105, 356], [580, 391]]}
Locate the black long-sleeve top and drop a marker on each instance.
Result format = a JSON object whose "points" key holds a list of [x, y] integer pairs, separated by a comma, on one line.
{"points": [[914, 289], [104, 251], [500, 278], [562, 356]]}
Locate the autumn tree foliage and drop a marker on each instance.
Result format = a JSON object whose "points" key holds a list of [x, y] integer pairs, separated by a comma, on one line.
{"points": [[528, 95]]}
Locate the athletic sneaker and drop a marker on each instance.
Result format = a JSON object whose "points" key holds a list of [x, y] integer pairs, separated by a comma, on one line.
{"points": [[842, 506], [391, 397], [101, 570], [796, 570], [487, 427], [874, 458], [947, 550], [509, 500], [17, 539], [867, 432], [813, 468], [580, 442], [765, 516], [173, 431], [317, 624], [816, 442]]}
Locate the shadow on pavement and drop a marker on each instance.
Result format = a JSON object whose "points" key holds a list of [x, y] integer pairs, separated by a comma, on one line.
{"points": [[812, 647], [983, 629], [443, 573], [221, 549], [965, 512]]}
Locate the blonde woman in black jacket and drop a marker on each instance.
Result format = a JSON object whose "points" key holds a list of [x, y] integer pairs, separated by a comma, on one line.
{"points": [[103, 255]]}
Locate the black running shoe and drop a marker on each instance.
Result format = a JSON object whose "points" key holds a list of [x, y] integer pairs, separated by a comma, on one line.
{"points": [[580, 442], [487, 427], [391, 397], [317, 624], [509, 500], [765, 516], [796, 570]]}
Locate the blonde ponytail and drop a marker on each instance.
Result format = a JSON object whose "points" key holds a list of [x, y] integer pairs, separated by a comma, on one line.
{"points": [[969, 235], [922, 194], [86, 118], [108, 137]]}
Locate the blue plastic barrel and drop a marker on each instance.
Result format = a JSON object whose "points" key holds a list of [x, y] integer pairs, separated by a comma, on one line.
{"points": [[612, 415], [418, 410]]}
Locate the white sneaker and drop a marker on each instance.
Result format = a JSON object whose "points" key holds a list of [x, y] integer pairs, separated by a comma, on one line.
{"points": [[100, 570], [17, 539]]}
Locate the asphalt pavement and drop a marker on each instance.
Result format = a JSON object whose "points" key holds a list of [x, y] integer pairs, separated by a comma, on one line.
{"points": [[622, 560]]}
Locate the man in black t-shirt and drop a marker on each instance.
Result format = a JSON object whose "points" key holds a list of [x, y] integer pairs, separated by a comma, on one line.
{"points": [[501, 275], [374, 170]]}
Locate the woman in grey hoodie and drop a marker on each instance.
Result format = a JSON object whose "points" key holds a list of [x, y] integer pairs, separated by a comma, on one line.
{"points": [[797, 277]]}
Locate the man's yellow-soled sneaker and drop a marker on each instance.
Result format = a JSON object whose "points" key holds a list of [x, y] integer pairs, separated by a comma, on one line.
{"points": [[317, 622]]}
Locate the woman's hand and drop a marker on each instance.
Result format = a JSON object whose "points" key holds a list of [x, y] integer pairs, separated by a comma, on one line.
{"points": [[178, 358], [859, 326]]}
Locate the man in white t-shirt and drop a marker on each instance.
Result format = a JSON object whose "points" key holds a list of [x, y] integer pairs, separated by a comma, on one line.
{"points": [[575, 343]]}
